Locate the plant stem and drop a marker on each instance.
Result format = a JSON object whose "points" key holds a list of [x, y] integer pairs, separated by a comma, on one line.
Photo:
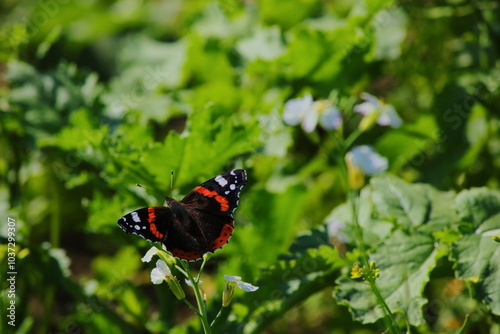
{"points": [[202, 314], [389, 319], [352, 137], [353, 197], [201, 268], [192, 307], [217, 317]]}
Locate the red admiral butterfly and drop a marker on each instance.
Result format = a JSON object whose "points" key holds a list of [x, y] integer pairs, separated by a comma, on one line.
{"points": [[201, 222]]}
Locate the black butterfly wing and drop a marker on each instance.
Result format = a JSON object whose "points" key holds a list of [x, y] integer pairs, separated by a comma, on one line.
{"points": [[201, 222], [219, 195], [150, 223], [211, 205]]}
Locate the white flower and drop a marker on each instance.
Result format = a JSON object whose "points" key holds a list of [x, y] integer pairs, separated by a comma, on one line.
{"points": [[240, 284], [231, 282], [387, 115], [188, 282], [160, 273], [367, 160], [335, 229], [308, 112], [295, 109], [200, 287], [149, 254]]}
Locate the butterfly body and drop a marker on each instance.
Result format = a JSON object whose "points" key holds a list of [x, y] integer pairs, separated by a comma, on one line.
{"points": [[201, 222]]}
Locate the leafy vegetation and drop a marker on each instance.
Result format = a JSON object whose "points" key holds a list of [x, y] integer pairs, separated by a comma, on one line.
{"points": [[96, 97]]}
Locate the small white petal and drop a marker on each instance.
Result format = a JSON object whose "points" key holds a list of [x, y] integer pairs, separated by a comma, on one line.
{"points": [[371, 99], [188, 282], [331, 118], [335, 229], [163, 268], [365, 108], [246, 286], [295, 109], [310, 120], [368, 160], [230, 278], [149, 254], [156, 276], [389, 117]]}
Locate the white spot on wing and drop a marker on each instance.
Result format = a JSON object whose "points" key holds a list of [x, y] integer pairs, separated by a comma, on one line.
{"points": [[137, 227], [221, 180], [232, 187], [135, 217]]}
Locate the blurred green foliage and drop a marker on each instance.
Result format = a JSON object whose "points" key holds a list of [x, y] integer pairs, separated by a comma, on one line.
{"points": [[96, 96]]}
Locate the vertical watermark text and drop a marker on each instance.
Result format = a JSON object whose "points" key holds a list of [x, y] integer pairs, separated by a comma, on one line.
{"points": [[11, 271]]}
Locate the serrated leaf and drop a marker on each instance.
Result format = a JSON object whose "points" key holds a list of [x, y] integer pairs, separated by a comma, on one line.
{"points": [[399, 201], [265, 44], [476, 253], [210, 131], [163, 158], [290, 282], [412, 205], [405, 261], [477, 205]]}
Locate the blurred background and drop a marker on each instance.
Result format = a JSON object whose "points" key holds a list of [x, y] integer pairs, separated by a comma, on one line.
{"points": [[96, 96]]}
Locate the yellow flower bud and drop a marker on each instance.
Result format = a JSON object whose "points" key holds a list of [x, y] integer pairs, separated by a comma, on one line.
{"points": [[355, 175]]}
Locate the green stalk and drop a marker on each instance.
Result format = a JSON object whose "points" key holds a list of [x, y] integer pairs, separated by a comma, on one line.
{"points": [[353, 197], [389, 320], [350, 140], [202, 314], [192, 307], [216, 317]]}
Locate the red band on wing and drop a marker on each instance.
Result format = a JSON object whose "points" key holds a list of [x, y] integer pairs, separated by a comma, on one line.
{"points": [[151, 215], [184, 255], [152, 225], [225, 234], [224, 204]]}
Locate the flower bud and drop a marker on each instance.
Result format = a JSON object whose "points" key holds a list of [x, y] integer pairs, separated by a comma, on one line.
{"points": [[227, 294], [355, 175], [368, 121], [175, 286]]}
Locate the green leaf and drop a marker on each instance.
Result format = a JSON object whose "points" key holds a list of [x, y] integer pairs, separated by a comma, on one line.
{"points": [[477, 254], [288, 283], [405, 261], [412, 205], [289, 14], [477, 206], [398, 201], [389, 32], [408, 146], [265, 44], [220, 138], [477, 132]]}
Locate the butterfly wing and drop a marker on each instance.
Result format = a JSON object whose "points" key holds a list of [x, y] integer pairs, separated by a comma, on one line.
{"points": [[212, 204], [150, 223], [201, 222], [219, 195]]}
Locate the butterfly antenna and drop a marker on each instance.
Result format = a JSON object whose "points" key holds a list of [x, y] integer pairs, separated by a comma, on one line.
{"points": [[171, 182], [150, 190]]}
